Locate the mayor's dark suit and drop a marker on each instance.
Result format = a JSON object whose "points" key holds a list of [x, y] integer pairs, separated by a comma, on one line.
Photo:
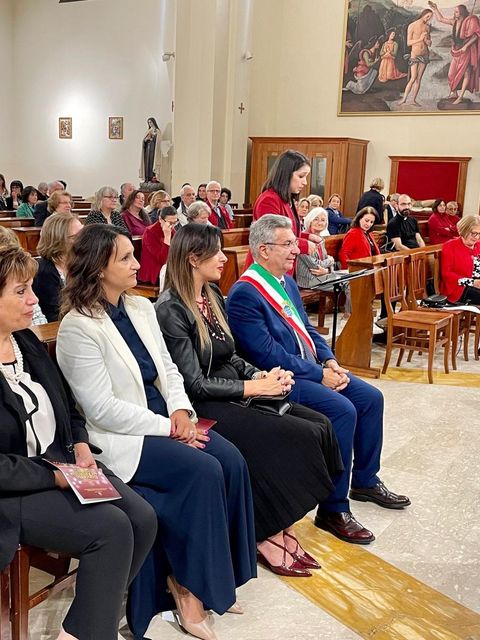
{"points": [[266, 340]]}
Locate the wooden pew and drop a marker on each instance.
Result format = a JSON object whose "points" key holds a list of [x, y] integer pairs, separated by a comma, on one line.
{"points": [[47, 334], [235, 237], [81, 206], [7, 214], [234, 267], [28, 238], [11, 222], [354, 345], [243, 218]]}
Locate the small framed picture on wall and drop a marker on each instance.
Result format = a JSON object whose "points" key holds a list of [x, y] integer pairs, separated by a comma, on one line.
{"points": [[115, 128], [64, 127]]}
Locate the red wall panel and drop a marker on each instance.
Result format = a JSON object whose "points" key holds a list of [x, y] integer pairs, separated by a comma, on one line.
{"points": [[427, 180]]}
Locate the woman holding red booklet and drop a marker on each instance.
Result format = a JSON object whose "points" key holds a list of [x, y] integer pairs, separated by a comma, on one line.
{"points": [[39, 421], [113, 355]]}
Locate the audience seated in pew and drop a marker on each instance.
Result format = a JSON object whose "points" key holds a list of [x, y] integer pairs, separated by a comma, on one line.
{"points": [[460, 263], [37, 506], [202, 191], [158, 201], [359, 241], [56, 236], [303, 207], [141, 418], [42, 191], [134, 215], [45, 208], [271, 328], [337, 222], [285, 487], [218, 214], [402, 230], [198, 212], [225, 197], [315, 201], [156, 245], [125, 190], [14, 200], [186, 198], [29, 200], [104, 209], [3, 192], [8, 239], [442, 224], [316, 222]]}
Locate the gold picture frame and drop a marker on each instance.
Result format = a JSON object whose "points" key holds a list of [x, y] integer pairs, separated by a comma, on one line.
{"points": [[380, 71], [65, 128], [115, 128]]}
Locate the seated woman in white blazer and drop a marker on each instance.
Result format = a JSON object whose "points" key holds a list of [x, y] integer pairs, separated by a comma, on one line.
{"points": [[113, 355]]}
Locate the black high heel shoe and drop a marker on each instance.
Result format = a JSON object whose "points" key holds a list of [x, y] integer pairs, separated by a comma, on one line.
{"points": [[302, 556], [293, 570]]}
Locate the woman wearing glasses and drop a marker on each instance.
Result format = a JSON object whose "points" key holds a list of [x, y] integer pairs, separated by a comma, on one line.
{"points": [[461, 263], [104, 209]]}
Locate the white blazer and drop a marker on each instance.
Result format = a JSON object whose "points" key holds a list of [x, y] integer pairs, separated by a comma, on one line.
{"points": [[107, 383]]}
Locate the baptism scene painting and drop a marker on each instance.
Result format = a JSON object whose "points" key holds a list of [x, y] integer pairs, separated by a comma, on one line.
{"points": [[411, 57]]}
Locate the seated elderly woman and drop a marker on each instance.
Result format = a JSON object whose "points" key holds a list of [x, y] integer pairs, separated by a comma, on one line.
{"points": [[59, 201], [198, 212], [359, 241], [442, 224], [37, 506], [460, 265], [290, 455], [29, 200], [156, 245], [316, 222], [113, 355], [225, 197], [56, 237], [104, 209], [8, 239], [158, 201], [134, 215]]}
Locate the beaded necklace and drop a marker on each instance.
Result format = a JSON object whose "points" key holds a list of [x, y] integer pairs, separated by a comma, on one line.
{"points": [[15, 373], [210, 319]]}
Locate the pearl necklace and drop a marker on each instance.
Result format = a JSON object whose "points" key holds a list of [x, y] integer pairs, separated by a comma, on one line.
{"points": [[14, 375]]}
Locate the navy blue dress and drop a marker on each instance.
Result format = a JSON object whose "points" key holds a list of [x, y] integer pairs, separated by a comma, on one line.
{"points": [[204, 508]]}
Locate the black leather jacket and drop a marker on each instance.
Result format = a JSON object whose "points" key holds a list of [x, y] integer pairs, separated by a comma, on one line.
{"points": [[180, 331]]}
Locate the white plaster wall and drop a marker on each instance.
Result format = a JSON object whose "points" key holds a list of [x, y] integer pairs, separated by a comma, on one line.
{"points": [[6, 132], [297, 48], [88, 60]]}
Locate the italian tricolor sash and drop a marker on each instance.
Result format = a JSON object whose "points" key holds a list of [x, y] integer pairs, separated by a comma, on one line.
{"points": [[270, 288]]}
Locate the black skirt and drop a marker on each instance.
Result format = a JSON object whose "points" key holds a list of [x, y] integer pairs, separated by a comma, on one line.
{"points": [[291, 459]]}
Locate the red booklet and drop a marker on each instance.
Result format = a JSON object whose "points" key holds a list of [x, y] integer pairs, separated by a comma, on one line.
{"points": [[89, 485], [205, 423]]}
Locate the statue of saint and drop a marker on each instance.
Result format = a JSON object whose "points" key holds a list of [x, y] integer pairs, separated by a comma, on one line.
{"points": [[151, 159]]}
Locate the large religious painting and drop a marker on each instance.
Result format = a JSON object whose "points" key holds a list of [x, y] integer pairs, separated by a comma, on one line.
{"points": [[411, 57]]}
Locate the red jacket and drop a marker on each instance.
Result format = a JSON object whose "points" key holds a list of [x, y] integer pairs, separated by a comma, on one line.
{"points": [[214, 217], [154, 253], [457, 262], [355, 245], [270, 202], [442, 227]]}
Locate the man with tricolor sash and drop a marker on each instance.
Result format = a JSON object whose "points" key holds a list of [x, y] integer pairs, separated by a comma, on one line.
{"points": [[271, 328]]}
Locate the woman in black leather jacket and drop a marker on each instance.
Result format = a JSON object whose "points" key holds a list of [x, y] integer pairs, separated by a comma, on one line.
{"points": [[290, 457]]}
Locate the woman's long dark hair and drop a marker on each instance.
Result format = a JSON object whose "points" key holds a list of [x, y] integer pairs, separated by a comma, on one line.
{"points": [[202, 242], [437, 202], [88, 256], [281, 173], [128, 203]]}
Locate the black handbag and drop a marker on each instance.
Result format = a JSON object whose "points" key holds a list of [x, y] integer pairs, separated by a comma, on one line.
{"points": [[273, 405], [436, 301]]}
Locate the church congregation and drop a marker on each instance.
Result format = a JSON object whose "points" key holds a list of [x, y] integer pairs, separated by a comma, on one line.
{"points": [[174, 342]]}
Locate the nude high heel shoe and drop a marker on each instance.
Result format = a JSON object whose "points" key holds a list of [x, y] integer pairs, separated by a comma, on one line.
{"points": [[201, 629]]}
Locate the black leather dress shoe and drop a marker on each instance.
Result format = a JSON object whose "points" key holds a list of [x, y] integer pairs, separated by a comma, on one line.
{"points": [[379, 494], [344, 526]]}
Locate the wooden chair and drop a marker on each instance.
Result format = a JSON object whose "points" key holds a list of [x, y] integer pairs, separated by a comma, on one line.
{"points": [[411, 330], [417, 290], [21, 601]]}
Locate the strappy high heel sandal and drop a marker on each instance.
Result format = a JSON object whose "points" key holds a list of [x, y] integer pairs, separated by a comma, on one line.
{"points": [[293, 570], [302, 556]]}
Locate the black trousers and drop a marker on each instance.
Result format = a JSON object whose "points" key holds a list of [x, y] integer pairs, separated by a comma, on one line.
{"points": [[111, 540]]}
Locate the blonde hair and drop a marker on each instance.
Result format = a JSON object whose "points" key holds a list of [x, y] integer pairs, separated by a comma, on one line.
{"points": [[53, 243], [466, 224], [315, 200], [8, 238], [377, 183], [156, 198], [54, 200]]}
